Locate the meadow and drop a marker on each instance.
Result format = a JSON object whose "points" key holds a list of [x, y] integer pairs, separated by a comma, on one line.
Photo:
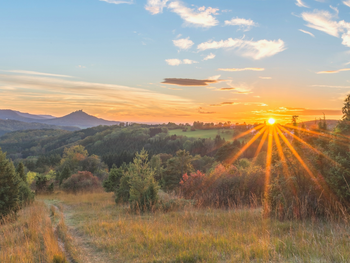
{"points": [[94, 229], [227, 134]]}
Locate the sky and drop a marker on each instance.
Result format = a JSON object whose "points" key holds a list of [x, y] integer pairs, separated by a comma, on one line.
{"points": [[178, 61]]}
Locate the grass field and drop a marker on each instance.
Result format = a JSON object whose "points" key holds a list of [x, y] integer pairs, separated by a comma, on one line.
{"points": [[227, 133], [101, 231]]}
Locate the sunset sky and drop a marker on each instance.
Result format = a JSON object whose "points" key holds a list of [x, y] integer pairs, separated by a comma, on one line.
{"points": [[180, 61]]}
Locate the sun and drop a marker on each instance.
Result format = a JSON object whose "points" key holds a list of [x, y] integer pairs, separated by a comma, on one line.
{"points": [[271, 121]]}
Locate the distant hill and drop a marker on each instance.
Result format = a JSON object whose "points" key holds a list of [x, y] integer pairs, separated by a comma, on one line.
{"points": [[77, 119], [7, 126], [80, 119]]}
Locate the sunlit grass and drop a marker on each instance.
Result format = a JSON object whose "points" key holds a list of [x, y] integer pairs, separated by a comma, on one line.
{"points": [[203, 235], [30, 238]]}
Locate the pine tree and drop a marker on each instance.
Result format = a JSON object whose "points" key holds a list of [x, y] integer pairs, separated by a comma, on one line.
{"points": [[9, 187], [20, 172], [66, 173]]}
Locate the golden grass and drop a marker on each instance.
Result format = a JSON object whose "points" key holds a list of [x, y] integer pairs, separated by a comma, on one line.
{"points": [[30, 238], [203, 235]]}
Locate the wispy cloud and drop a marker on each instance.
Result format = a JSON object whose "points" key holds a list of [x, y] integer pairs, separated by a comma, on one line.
{"points": [[112, 100], [26, 72], [307, 32], [241, 69], [332, 87], [223, 104], [247, 48], [204, 17], [183, 43], [347, 2], [265, 78], [155, 6], [333, 71], [201, 111], [177, 62], [300, 3], [226, 89], [117, 2], [244, 24], [210, 56], [324, 21], [189, 82]]}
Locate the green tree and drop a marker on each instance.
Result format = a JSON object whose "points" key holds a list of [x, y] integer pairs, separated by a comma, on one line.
{"points": [[344, 125], [143, 188], [177, 167], [20, 172], [66, 173], [9, 186], [113, 180]]}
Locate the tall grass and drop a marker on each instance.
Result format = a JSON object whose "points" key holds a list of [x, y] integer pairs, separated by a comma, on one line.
{"points": [[30, 238], [204, 234]]}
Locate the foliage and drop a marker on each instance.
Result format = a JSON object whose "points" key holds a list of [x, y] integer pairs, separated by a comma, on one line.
{"points": [[176, 167], [224, 186], [81, 182], [113, 180], [9, 187], [143, 187]]}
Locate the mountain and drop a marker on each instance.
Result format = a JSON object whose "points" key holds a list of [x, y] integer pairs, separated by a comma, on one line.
{"points": [[77, 119], [80, 119], [7, 126]]}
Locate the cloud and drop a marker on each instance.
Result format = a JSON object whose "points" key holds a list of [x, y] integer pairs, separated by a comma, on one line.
{"points": [[265, 78], [189, 82], [241, 69], [332, 87], [200, 110], [155, 6], [62, 95], [210, 56], [184, 43], [197, 18], [248, 48], [347, 2], [306, 32], [324, 21], [177, 62], [26, 72], [333, 71], [226, 89], [300, 3], [223, 104], [216, 77], [244, 24], [117, 2]]}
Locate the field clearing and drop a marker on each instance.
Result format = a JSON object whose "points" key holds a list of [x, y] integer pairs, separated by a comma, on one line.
{"points": [[199, 235], [205, 134]]}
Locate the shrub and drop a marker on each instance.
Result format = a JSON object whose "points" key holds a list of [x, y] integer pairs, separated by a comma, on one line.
{"points": [[9, 187], [224, 186], [113, 180], [81, 182]]}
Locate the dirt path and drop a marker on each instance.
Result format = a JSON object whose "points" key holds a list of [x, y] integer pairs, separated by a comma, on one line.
{"points": [[84, 250]]}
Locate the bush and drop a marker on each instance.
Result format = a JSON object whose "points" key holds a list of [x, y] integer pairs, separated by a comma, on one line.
{"points": [[224, 186], [113, 180], [9, 187], [81, 182]]}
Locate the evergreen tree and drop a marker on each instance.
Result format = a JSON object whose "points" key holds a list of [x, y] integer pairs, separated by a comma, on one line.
{"points": [[113, 181], [344, 125], [20, 172], [9, 186]]}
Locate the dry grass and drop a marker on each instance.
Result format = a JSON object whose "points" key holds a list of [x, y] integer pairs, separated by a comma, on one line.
{"points": [[203, 235], [30, 238]]}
